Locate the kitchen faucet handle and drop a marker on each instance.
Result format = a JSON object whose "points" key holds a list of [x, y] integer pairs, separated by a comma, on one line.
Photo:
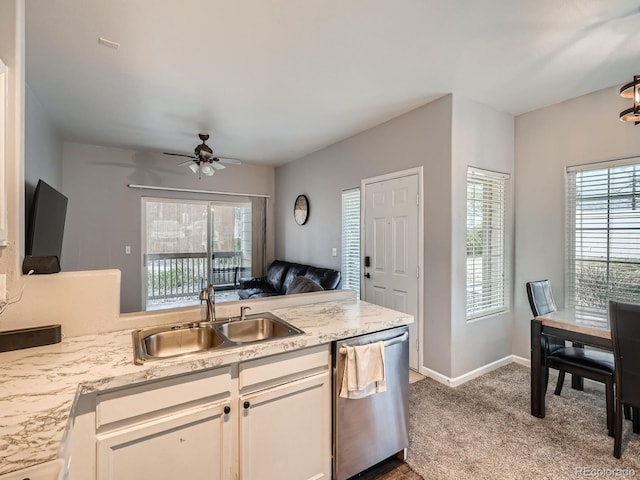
{"points": [[243, 311]]}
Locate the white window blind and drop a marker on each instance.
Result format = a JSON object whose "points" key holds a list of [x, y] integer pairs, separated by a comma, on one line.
{"points": [[603, 238], [351, 240], [486, 279]]}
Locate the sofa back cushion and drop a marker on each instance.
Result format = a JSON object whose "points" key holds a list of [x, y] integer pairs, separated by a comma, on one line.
{"points": [[276, 274], [295, 270], [303, 285], [325, 277]]}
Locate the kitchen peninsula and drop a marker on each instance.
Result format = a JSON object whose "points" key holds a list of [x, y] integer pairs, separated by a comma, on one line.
{"points": [[40, 388]]}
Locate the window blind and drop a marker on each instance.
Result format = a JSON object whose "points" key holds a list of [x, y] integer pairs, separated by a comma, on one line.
{"points": [[603, 239], [486, 280], [351, 240]]}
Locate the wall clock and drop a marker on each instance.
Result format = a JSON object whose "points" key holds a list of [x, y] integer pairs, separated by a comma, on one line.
{"points": [[301, 209]]}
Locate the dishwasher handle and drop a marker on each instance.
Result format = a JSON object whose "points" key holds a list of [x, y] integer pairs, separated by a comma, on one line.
{"points": [[387, 343]]}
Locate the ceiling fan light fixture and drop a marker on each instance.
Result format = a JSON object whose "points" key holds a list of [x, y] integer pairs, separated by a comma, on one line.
{"points": [[631, 90], [204, 161], [207, 170]]}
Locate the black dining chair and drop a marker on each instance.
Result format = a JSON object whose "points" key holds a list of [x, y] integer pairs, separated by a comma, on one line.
{"points": [[625, 333], [588, 363]]}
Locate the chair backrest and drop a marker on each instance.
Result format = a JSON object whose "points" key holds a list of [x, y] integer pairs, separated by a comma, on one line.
{"points": [[625, 333], [540, 297]]}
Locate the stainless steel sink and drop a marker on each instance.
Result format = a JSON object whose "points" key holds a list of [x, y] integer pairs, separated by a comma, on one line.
{"points": [[257, 328], [174, 340], [183, 339]]}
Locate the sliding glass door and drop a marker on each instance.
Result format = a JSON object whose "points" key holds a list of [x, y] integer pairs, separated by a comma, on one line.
{"points": [[188, 244], [230, 244]]}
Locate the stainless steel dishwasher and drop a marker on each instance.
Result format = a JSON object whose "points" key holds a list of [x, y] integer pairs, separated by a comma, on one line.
{"points": [[371, 429]]}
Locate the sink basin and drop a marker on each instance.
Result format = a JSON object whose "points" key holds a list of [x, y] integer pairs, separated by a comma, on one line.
{"points": [[172, 341], [184, 340], [256, 328], [177, 340]]}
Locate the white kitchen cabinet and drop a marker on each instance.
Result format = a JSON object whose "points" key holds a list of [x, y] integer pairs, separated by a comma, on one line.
{"points": [[285, 431], [196, 426], [177, 427], [195, 444]]}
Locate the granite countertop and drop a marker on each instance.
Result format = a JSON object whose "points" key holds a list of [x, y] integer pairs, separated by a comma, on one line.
{"points": [[38, 386]]}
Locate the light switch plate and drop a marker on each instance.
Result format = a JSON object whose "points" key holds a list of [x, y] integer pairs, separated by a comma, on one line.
{"points": [[3, 287], [127, 250]]}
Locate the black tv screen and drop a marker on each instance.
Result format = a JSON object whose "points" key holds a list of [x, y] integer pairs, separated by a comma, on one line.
{"points": [[46, 222]]}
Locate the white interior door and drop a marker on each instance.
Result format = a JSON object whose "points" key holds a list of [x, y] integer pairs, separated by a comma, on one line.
{"points": [[391, 239]]}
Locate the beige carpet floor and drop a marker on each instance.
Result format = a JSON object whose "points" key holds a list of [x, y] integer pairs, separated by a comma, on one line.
{"points": [[483, 430]]}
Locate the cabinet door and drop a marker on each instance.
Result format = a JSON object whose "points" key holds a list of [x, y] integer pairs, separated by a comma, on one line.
{"points": [[285, 431], [195, 444]]}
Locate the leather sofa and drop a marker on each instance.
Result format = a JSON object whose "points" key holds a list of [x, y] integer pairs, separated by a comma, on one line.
{"points": [[280, 277]]}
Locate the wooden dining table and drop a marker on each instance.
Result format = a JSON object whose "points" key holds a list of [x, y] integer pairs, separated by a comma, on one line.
{"points": [[569, 326]]}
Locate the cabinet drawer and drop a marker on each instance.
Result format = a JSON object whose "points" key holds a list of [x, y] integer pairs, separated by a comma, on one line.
{"points": [[150, 398], [269, 371]]}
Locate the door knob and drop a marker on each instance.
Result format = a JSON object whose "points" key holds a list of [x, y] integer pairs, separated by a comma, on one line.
{"points": [[246, 405], [227, 409]]}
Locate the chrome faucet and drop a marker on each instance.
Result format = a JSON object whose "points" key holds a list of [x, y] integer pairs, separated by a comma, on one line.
{"points": [[209, 295], [243, 311]]}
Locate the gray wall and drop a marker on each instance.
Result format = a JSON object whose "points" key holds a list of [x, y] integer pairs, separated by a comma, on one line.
{"points": [[582, 130], [482, 138], [42, 149], [444, 137], [420, 137], [104, 215]]}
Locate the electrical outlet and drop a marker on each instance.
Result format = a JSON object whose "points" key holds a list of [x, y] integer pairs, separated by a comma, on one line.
{"points": [[334, 252], [3, 287]]}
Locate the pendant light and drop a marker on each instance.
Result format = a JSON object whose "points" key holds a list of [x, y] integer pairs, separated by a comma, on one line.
{"points": [[631, 90]]}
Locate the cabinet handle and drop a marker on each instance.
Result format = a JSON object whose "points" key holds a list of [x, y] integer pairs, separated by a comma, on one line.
{"points": [[246, 405], [227, 409]]}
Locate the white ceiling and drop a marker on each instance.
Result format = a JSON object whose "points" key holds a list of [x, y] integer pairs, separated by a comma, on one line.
{"points": [[273, 80]]}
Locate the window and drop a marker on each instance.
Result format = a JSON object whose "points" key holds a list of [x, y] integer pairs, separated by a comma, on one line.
{"points": [[603, 238], [486, 280], [188, 244], [351, 240]]}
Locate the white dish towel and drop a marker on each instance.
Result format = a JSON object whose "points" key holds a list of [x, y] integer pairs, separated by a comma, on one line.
{"points": [[363, 371]]}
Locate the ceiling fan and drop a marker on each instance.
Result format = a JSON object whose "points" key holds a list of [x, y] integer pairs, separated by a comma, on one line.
{"points": [[204, 161]]}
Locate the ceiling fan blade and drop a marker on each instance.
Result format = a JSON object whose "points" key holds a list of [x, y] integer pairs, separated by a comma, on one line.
{"points": [[217, 165], [230, 161], [188, 162], [178, 155]]}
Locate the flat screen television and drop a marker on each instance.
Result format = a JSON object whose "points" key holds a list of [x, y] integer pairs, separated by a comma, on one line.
{"points": [[46, 222]]}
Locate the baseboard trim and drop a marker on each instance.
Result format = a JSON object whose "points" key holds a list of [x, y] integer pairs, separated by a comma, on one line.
{"points": [[438, 377], [525, 362], [456, 381]]}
